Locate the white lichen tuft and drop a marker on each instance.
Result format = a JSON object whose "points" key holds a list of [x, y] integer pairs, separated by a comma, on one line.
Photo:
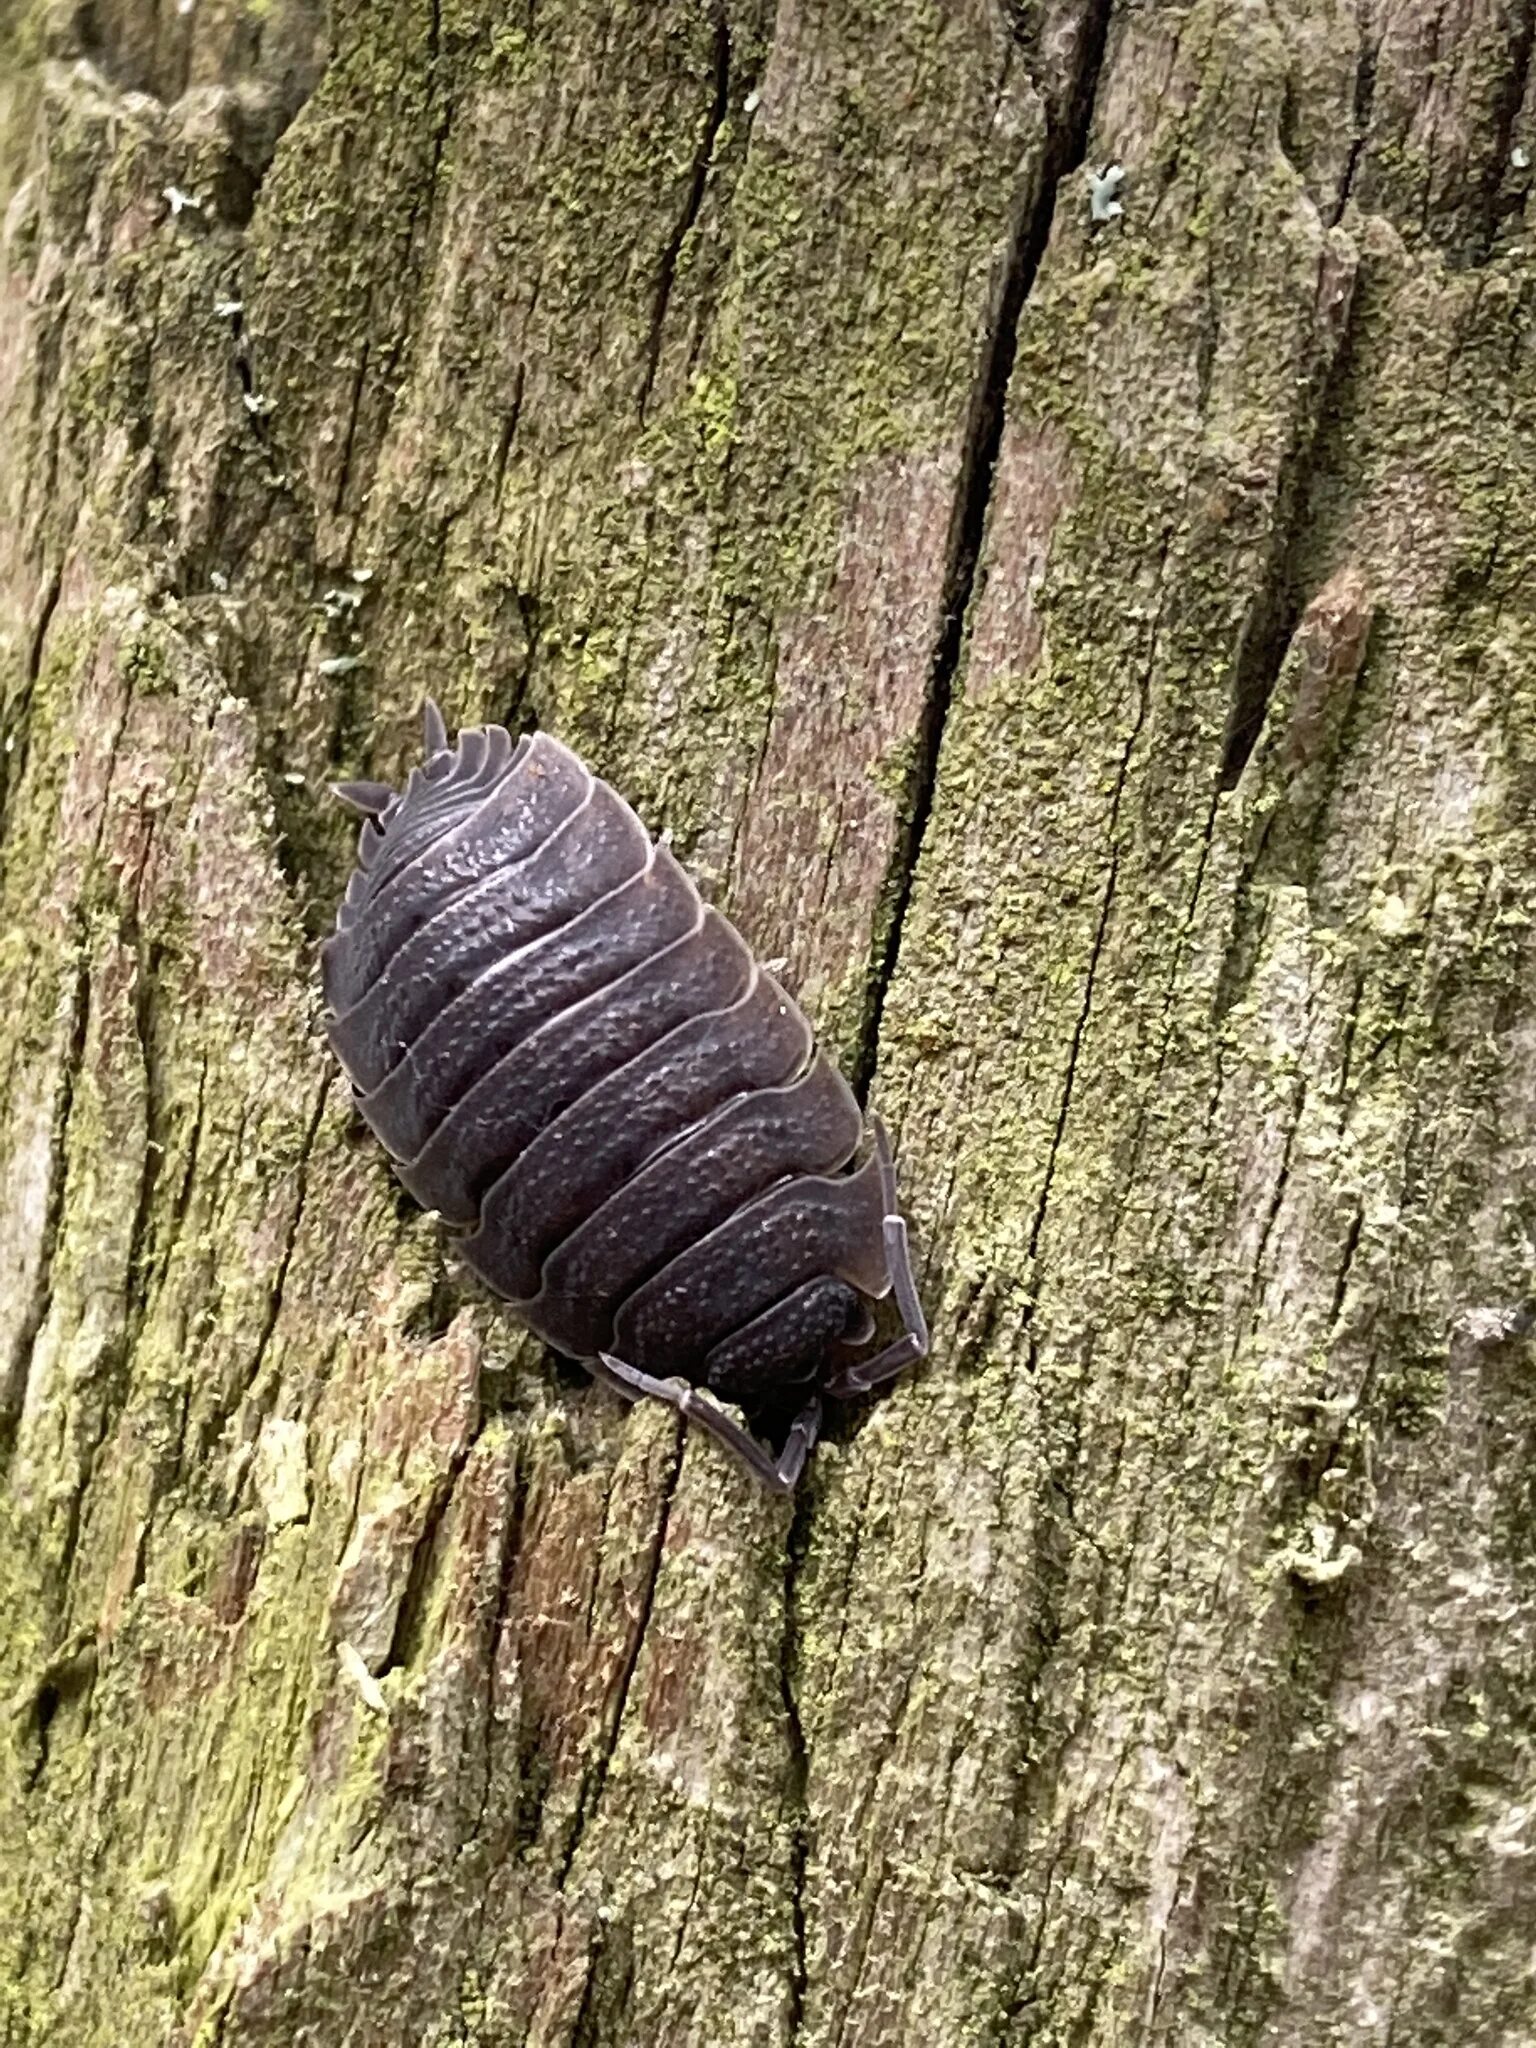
{"points": [[280, 1472], [1103, 188], [352, 1663]]}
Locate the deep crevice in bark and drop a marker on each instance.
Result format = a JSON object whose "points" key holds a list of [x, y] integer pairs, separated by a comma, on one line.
{"points": [[1281, 594], [411, 1613], [150, 954], [799, 1763], [45, 614], [496, 1624], [280, 1278], [1497, 205], [1085, 1011], [1346, 1262], [67, 1676], [1267, 634], [16, 728], [344, 475], [1066, 147], [505, 437], [12, 1389], [592, 1792], [1365, 96], [699, 179], [439, 106], [1276, 1202]]}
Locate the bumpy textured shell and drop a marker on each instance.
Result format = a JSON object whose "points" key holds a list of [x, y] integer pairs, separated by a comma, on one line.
{"points": [[567, 1054]]}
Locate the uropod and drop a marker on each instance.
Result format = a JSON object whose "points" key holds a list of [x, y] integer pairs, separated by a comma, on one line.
{"points": [[582, 1068]]}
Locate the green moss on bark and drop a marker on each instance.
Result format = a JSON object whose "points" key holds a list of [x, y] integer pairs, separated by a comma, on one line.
{"points": [[1147, 1666]]}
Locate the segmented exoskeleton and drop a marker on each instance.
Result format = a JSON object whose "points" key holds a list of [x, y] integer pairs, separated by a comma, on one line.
{"points": [[584, 1070]]}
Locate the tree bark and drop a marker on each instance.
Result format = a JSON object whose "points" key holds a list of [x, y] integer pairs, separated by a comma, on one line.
{"points": [[1096, 649]]}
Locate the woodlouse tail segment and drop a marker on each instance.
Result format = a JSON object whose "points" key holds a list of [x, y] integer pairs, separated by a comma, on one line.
{"points": [[368, 799], [868, 1373], [898, 1249]]}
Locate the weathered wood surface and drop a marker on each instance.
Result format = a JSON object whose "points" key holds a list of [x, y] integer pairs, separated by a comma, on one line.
{"points": [[1100, 657]]}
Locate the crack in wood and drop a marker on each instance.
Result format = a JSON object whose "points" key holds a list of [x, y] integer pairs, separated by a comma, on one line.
{"points": [[1065, 150], [354, 404], [18, 1369], [1495, 206], [1086, 1006], [506, 1569], [798, 1763], [15, 729], [143, 1009], [597, 1778], [1364, 99], [698, 181], [1276, 610], [410, 1615], [280, 1279]]}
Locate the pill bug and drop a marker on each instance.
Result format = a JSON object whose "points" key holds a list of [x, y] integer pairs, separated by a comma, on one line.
{"points": [[586, 1073]]}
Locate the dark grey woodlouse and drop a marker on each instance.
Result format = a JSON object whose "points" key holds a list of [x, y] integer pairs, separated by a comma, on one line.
{"points": [[584, 1071]]}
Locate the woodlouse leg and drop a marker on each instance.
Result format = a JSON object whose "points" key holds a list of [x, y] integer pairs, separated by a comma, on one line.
{"points": [[874, 1372], [779, 1475], [434, 731]]}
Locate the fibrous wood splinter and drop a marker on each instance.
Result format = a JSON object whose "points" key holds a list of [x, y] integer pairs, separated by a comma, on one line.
{"points": [[585, 1071]]}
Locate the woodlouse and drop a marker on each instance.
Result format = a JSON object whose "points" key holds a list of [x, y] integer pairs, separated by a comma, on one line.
{"points": [[584, 1070]]}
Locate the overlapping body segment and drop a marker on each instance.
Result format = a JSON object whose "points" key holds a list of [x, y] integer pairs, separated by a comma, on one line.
{"points": [[684, 1192], [487, 1130], [596, 848], [443, 834], [580, 1065]]}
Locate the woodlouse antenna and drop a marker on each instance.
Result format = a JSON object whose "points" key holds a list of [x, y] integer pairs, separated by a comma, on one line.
{"points": [[368, 799]]}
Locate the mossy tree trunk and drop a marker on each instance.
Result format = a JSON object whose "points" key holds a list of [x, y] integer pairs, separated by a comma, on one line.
{"points": [[1100, 654]]}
